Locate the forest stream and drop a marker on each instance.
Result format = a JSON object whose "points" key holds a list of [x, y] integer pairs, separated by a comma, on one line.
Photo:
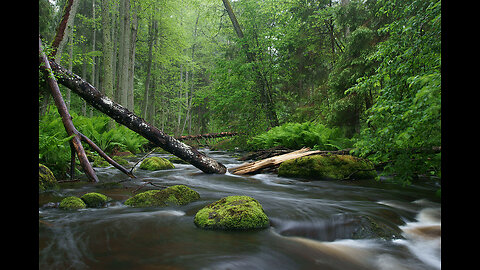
{"points": [[340, 225]]}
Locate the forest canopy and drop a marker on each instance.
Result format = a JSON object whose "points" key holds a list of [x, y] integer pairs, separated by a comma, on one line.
{"points": [[369, 70]]}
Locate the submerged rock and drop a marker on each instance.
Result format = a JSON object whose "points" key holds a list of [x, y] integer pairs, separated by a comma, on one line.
{"points": [[328, 167], [94, 199], [72, 202], [156, 163], [232, 213], [46, 179], [174, 195]]}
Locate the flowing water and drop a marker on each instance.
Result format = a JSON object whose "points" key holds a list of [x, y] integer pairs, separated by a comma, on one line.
{"points": [[314, 224]]}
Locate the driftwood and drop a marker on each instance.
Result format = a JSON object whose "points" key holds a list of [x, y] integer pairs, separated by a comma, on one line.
{"points": [[255, 166], [276, 158], [275, 151], [123, 116]]}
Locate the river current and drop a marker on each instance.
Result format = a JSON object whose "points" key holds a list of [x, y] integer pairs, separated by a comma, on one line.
{"points": [[314, 224]]}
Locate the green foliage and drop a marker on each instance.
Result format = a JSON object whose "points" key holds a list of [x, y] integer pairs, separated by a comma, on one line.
{"points": [[404, 123], [54, 148], [368, 69], [298, 135]]}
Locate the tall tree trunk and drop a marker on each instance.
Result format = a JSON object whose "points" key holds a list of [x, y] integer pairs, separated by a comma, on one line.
{"points": [[151, 98], [92, 78], [152, 37], [107, 52], [123, 54], [179, 119], [84, 75], [60, 40], [131, 68], [70, 65], [63, 29], [135, 123]]}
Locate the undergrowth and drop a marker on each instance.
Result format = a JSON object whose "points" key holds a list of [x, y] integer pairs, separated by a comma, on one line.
{"points": [[298, 135], [54, 149]]}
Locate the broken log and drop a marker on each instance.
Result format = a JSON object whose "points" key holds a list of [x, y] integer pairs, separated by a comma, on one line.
{"points": [[208, 135], [278, 150], [123, 116], [248, 168]]}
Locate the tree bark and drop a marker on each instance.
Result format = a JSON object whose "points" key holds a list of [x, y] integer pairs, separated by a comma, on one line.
{"points": [[255, 166], [107, 50], [63, 30], [208, 135], [123, 116], [152, 36]]}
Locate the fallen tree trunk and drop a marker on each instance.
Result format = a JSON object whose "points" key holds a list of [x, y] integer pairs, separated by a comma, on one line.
{"points": [[270, 162], [279, 150], [123, 116], [208, 135]]}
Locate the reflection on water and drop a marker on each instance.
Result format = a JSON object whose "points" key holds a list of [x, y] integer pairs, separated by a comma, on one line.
{"points": [[314, 225]]}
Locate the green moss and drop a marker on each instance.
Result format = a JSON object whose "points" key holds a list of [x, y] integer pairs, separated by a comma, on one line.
{"points": [[94, 199], [174, 195], [156, 163], [72, 202], [120, 160], [177, 160], [232, 213], [328, 167], [46, 179]]}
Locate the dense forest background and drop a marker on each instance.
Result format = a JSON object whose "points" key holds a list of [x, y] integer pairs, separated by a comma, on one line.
{"points": [[363, 74]]}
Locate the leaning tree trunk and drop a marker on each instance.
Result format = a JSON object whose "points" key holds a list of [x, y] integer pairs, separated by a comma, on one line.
{"points": [[77, 137], [66, 118], [123, 116]]}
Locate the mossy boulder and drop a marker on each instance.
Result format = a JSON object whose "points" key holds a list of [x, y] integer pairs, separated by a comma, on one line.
{"points": [[72, 202], [156, 163], [94, 199], [319, 167], [46, 179], [232, 213], [174, 195]]}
